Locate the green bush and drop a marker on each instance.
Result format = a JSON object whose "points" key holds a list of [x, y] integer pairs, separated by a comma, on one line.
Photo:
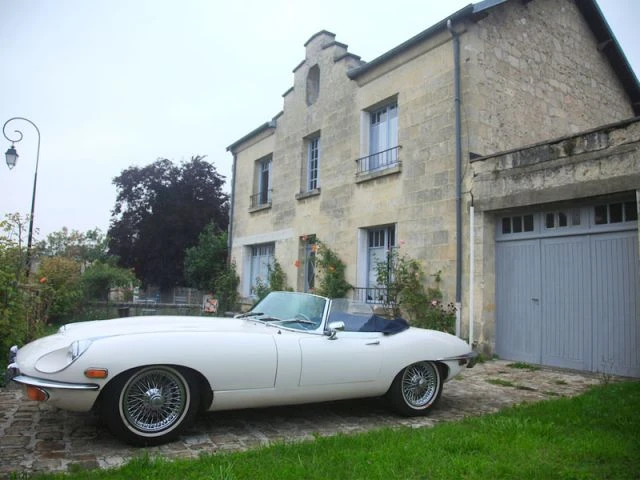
{"points": [[226, 288], [61, 289], [99, 278], [14, 300], [205, 262], [22, 305], [404, 279], [331, 270]]}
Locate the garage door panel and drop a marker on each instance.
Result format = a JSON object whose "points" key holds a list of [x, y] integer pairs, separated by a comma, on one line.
{"points": [[517, 273], [580, 266], [616, 312], [565, 303]]}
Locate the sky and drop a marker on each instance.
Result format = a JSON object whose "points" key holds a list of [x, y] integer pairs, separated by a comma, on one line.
{"points": [[116, 83]]}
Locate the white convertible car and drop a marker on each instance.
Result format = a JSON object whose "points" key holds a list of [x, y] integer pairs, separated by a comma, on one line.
{"points": [[149, 376]]}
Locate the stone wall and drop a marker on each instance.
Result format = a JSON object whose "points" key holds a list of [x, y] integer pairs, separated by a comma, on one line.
{"points": [[533, 71]]}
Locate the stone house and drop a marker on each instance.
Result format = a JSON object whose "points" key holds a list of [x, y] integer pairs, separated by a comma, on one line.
{"points": [[473, 147]]}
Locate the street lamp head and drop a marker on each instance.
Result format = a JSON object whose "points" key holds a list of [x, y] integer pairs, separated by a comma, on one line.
{"points": [[12, 157]]}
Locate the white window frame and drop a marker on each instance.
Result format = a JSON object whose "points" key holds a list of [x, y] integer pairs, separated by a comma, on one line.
{"points": [[262, 257], [383, 136], [264, 184], [384, 241], [313, 163]]}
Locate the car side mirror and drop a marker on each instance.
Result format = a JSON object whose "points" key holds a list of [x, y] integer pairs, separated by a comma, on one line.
{"points": [[333, 329]]}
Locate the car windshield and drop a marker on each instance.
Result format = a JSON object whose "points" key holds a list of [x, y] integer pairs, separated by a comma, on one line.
{"points": [[301, 311]]}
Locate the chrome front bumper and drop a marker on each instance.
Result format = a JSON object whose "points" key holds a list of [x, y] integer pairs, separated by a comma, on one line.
{"points": [[40, 383]]}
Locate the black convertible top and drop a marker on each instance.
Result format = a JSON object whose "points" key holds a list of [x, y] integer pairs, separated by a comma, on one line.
{"points": [[369, 323]]}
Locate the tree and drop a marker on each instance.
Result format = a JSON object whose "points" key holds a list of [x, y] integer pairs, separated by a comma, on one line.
{"points": [[206, 261], [61, 289], [159, 213], [84, 248], [206, 268]]}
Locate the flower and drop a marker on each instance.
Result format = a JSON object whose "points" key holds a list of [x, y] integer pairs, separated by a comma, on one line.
{"points": [[314, 247], [297, 263], [43, 280], [434, 303]]}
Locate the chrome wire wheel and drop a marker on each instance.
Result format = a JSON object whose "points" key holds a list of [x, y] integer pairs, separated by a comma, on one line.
{"points": [[154, 400], [420, 385]]}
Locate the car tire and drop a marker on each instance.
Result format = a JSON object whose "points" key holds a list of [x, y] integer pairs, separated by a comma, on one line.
{"points": [[416, 389], [151, 405]]}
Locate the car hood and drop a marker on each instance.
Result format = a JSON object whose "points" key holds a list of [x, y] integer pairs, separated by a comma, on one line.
{"points": [[29, 354], [155, 324]]}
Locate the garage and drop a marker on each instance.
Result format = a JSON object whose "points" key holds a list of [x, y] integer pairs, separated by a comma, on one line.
{"points": [[567, 283]]}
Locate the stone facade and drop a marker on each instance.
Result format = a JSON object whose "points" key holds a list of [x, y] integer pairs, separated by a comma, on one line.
{"points": [[528, 71]]}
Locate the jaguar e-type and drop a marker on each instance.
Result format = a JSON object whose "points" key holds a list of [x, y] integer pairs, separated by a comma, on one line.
{"points": [[150, 376]]}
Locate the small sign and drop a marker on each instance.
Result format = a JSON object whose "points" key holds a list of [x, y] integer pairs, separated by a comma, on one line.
{"points": [[209, 304]]}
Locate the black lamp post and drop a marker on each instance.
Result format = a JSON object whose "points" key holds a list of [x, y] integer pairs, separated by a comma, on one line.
{"points": [[12, 158]]}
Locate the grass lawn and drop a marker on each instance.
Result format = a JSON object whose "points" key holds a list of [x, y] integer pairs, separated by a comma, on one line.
{"points": [[592, 436]]}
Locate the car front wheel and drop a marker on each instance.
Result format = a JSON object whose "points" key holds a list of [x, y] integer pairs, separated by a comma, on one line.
{"points": [[416, 389], [152, 405]]}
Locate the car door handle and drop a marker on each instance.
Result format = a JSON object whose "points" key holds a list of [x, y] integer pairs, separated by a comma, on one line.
{"points": [[377, 342]]}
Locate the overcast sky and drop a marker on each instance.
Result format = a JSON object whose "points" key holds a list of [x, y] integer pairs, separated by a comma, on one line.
{"points": [[116, 83]]}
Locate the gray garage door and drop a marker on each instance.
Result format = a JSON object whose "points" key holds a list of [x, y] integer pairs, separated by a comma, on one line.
{"points": [[567, 283]]}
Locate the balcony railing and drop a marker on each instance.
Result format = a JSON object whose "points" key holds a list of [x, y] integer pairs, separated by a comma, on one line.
{"points": [[378, 161], [377, 295], [261, 199]]}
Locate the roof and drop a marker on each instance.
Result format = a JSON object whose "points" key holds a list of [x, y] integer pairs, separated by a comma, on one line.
{"points": [[607, 44], [262, 128]]}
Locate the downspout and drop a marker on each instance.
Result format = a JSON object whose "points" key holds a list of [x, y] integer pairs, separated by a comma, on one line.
{"points": [[232, 201], [456, 80], [472, 239]]}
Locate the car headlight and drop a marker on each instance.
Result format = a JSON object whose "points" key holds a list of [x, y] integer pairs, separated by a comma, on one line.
{"points": [[60, 359], [77, 348]]}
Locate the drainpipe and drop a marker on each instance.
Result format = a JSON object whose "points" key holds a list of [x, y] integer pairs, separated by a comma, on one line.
{"points": [[456, 79], [231, 202], [472, 238]]}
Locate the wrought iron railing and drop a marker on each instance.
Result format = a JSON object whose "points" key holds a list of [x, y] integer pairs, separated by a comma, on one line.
{"points": [[379, 161], [378, 295], [260, 199]]}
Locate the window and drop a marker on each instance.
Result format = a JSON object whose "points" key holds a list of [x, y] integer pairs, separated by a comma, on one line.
{"points": [[517, 224], [381, 242], [262, 257], [383, 139], [563, 218], [263, 181], [313, 163], [308, 249], [615, 213]]}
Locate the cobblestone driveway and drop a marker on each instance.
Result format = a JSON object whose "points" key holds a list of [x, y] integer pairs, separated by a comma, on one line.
{"points": [[35, 437]]}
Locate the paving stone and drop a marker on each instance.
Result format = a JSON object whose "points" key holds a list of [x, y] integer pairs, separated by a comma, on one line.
{"points": [[35, 437]]}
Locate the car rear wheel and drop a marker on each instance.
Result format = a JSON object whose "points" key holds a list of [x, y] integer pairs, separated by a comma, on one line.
{"points": [[416, 389], [151, 405]]}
